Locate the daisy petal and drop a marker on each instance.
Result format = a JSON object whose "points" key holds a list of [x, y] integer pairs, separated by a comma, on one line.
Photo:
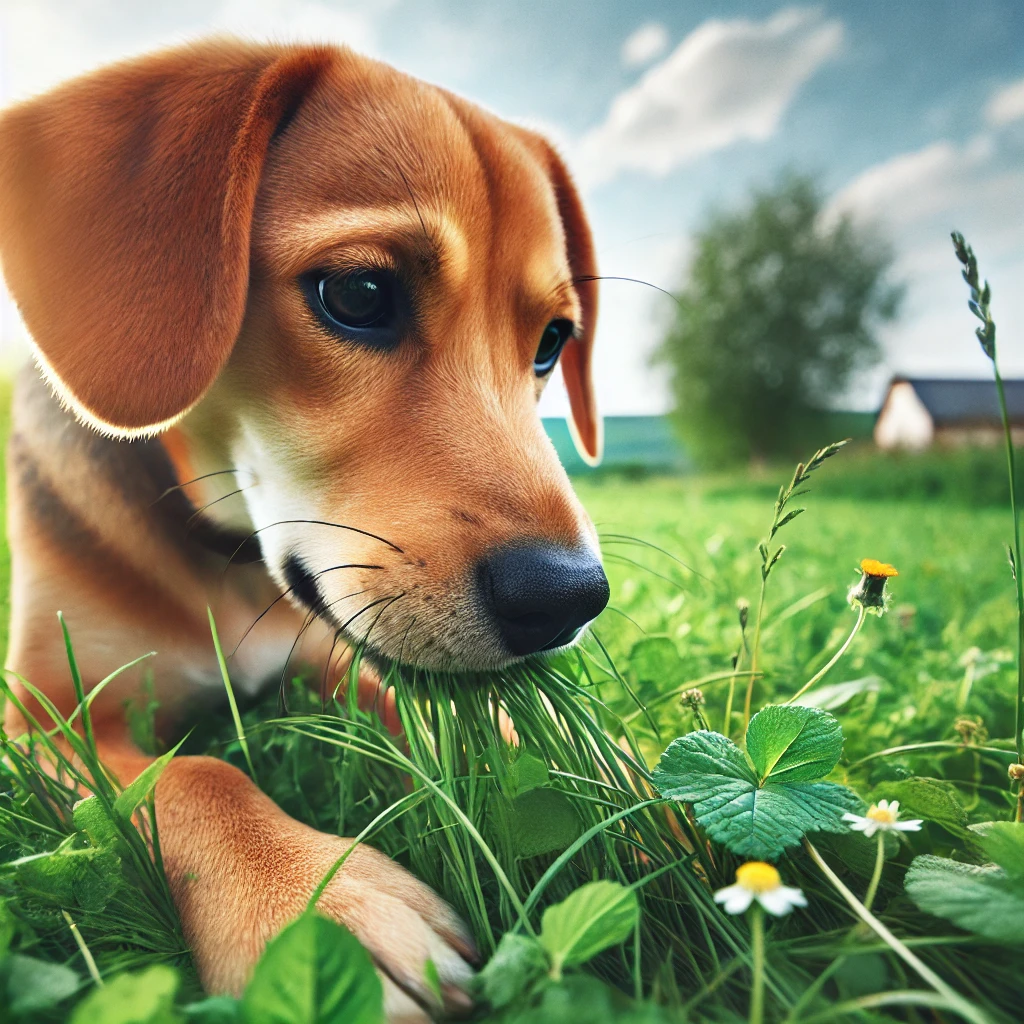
{"points": [[781, 901], [911, 825], [724, 895], [737, 901]]}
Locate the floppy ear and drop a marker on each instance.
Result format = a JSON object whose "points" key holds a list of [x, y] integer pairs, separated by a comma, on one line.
{"points": [[126, 198], [586, 425]]}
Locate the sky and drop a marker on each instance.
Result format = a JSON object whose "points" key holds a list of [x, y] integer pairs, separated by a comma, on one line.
{"points": [[910, 114]]}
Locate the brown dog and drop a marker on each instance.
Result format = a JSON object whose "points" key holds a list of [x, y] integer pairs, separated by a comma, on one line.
{"points": [[320, 299]]}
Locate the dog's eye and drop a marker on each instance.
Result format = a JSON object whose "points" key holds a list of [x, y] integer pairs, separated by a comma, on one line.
{"points": [[358, 300], [555, 335]]}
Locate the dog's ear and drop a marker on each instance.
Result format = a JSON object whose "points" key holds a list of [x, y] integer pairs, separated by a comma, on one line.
{"points": [[586, 426], [126, 200]]}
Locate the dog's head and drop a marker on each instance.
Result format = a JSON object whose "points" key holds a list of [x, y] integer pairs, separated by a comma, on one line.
{"points": [[350, 288]]}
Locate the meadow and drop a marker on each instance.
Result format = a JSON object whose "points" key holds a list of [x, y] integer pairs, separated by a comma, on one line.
{"points": [[937, 671]]}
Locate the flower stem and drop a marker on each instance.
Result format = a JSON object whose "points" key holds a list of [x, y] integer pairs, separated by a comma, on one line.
{"points": [[876, 875], [1018, 725], [822, 672], [755, 649], [90, 963], [757, 951], [955, 1000]]}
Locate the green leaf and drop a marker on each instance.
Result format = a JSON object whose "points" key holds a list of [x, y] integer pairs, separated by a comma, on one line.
{"points": [[214, 1010], [91, 817], [8, 927], [594, 917], [835, 695], [135, 792], [543, 821], [146, 997], [432, 977], [518, 962], [85, 876], [314, 972], [710, 772], [526, 772], [34, 985], [1003, 842], [984, 900], [654, 659], [794, 744], [932, 799]]}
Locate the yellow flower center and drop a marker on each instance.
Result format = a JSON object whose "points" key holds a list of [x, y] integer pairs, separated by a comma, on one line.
{"points": [[883, 815], [872, 567], [758, 877]]}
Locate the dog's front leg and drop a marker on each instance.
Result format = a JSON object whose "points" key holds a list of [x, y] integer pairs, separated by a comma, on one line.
{"points": [[240, 869]]}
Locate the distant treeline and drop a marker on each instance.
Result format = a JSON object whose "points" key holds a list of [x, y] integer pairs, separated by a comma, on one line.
{"points": [[649, 444]]}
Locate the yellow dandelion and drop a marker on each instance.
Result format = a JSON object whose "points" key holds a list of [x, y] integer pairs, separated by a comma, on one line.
{"points": [[869, 591], [873, 567]]}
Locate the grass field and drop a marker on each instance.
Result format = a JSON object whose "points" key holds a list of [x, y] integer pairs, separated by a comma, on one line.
{"points": [[954, 594], [681, 554]]}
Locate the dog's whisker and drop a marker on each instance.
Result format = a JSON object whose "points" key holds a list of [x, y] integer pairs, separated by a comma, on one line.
{"points": [[327, 671], [282, 699], [313, 615], [196, 479], [373, 604], [645, 568], [415, 205], [315, 522], [373, 625], [632, 280], [199, 511], [291, 589], [625, 538]]}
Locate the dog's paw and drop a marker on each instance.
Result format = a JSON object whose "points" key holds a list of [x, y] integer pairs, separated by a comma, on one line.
{"points": [[405, 926], [231, 910]]}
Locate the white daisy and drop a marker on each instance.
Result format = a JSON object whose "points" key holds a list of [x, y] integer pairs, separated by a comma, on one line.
{"points": [[756, 880], [882, 817]]}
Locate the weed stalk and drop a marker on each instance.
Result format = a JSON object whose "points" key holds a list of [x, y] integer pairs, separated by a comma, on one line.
{"points": [[980, 305]]}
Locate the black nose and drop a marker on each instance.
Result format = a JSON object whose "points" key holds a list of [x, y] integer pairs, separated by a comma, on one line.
{"points": [[540, 595]]}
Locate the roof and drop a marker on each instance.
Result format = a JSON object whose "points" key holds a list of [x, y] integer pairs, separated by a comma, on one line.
{"points": [[950, 400]]}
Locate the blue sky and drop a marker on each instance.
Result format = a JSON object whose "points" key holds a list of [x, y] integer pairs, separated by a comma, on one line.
{"points": [[911, 113]]}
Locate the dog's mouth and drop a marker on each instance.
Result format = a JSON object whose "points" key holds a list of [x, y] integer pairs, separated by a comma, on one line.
{"points": [[302, 585], [515, 602]]}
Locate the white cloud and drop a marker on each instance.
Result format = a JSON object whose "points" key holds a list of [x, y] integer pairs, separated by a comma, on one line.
{"points": [[726, 81], [43, 42], [916, 199], [643, 45], [1006, 104], [305, 21]]}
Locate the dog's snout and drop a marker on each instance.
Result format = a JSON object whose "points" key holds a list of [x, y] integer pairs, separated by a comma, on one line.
{"points": [[540, 596]]}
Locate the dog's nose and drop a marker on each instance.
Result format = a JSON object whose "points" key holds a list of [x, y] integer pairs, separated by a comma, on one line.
{"points": [[540, 595]]}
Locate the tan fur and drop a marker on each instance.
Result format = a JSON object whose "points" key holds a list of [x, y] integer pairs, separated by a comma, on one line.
{"points": [[152, 229]]}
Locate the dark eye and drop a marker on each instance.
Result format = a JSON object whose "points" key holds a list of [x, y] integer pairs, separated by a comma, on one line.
{"points": [[555, 335], [362, 303]]}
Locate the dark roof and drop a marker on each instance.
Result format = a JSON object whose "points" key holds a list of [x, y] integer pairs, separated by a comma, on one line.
{"points": [[949, 400]]}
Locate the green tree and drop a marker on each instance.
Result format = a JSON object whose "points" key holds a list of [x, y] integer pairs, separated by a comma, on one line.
{"points": [[781, 307]]}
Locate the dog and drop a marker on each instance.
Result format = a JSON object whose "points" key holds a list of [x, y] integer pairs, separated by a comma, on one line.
{"points": [[292, 312]]}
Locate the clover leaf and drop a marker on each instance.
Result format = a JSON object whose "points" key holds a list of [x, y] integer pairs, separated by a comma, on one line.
{"points": [[979, 898], [760, 805]]}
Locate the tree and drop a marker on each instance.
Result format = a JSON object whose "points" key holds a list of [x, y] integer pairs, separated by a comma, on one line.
{"points": [[780, 309]]}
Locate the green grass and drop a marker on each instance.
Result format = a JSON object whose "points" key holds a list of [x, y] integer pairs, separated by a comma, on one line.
{"points": [[942, 655]]}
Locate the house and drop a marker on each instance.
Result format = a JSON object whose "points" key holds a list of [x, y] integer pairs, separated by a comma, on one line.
{"points": [[921, 411]]}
